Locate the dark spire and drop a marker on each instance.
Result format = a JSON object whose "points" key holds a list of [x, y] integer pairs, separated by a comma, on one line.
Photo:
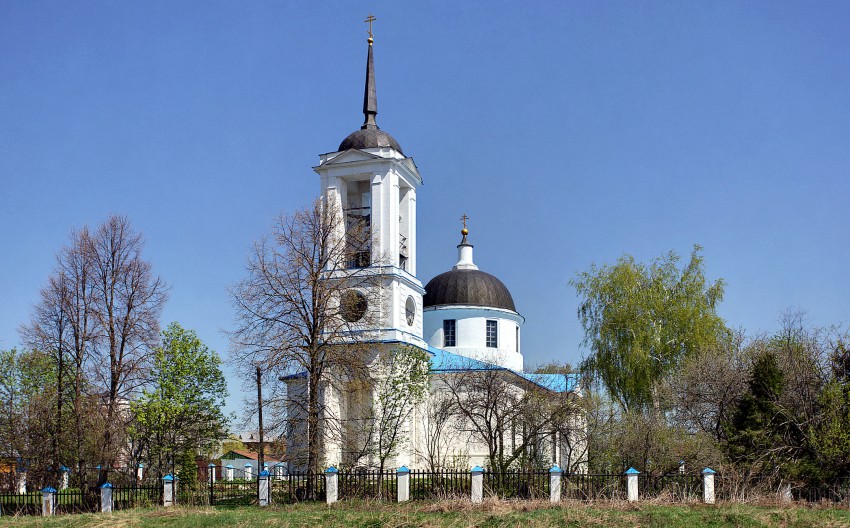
{"points": [[370, 97]]}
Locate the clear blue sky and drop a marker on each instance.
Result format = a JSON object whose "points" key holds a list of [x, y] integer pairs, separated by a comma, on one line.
{"points": [[570, 133]]}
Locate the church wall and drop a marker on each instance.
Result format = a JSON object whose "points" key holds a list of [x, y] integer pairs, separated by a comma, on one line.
{"points": [[471, 334]]}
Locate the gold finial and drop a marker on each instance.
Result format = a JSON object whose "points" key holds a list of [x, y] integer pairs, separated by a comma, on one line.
{"points": [[370, 19], [463, 219]]}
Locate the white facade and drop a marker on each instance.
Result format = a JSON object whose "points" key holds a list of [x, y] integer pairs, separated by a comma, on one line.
{"points": [[375, 188], [471, 333], [379, 185]]}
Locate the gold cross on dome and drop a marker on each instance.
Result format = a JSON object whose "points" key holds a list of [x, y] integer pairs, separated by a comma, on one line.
{"points": [[463, 219], [370, 19]]}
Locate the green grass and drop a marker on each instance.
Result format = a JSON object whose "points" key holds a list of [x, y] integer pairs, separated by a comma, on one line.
{"points": [[362, 514]]}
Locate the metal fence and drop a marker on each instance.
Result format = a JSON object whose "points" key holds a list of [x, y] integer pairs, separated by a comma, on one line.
{"points": [[589, 487], [367, 485], [237, 490], [680, 487], [428, 485], [126, 498], [297, 487], [517, 484], [20, 504]]}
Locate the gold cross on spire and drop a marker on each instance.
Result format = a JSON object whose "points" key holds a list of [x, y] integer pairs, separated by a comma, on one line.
{"points": [[464, 231], [370, 19]]}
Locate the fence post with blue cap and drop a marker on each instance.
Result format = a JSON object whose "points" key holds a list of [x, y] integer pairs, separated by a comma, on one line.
{"points": [[632, 484], [22, 481], [331, 485], [477, 485], [708, 485], [555, 483], [228, 472], [249, 471], [263, 488], [63, 477], [168, 490], [48, 501], [140, 472], [106, 503], [402, 478]]}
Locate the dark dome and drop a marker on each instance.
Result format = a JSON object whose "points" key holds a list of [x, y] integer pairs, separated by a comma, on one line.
{"points": [[369, 138], [470, 287]]}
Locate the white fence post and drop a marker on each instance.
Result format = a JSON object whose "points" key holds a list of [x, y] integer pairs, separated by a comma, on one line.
{"points": [[331, 485], [249, 471], [140, 472], [263, 488], [106, 503], [402, 477], [63, 477], [228, 472], [477, 485], [555, 483], [708, 485], [22, 482], [48, 501], [211, 474], [632, 484], [785, 493], [168, 491]]}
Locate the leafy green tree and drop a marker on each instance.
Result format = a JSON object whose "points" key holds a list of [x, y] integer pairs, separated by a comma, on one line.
{"points": [[181, 411], [400, 380], [641, 321], [26, 404], [830, 436]]}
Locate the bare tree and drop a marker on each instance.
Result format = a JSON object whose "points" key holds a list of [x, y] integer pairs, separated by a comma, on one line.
{"points": [[439, 431], [302, 313], [399, 380], [708, 385], [128, 300], [501, 411], [49, 332]]}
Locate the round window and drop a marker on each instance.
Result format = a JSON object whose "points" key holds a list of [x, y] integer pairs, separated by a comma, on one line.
{"points": [[353, 305], [410, 310]]}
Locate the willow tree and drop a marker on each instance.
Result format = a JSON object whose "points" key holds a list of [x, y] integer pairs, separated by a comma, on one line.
{"points": [[641, 321]]}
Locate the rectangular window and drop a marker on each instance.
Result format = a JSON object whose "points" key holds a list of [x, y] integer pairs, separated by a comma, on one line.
{"points": [[449, 332], [492, 334], [517, 338]]}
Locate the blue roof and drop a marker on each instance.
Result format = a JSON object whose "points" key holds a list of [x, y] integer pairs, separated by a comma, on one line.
{"points": [[443, 362]]}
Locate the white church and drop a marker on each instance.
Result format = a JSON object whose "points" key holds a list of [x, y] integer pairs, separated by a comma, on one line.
{"points": [[464, 319]]}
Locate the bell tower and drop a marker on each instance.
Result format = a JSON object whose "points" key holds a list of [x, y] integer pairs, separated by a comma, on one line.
{"points": [[373, 185]]}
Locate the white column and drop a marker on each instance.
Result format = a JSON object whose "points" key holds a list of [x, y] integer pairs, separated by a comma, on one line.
{"points": [[168, 492], [477, 485], [632, 484], [140, 472], [106, 503], [402, 476], [708, 485], [331, 485], [48, 501], [211, 473], [228, 472], [249, 471], [263, 488], [555, 483]]}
